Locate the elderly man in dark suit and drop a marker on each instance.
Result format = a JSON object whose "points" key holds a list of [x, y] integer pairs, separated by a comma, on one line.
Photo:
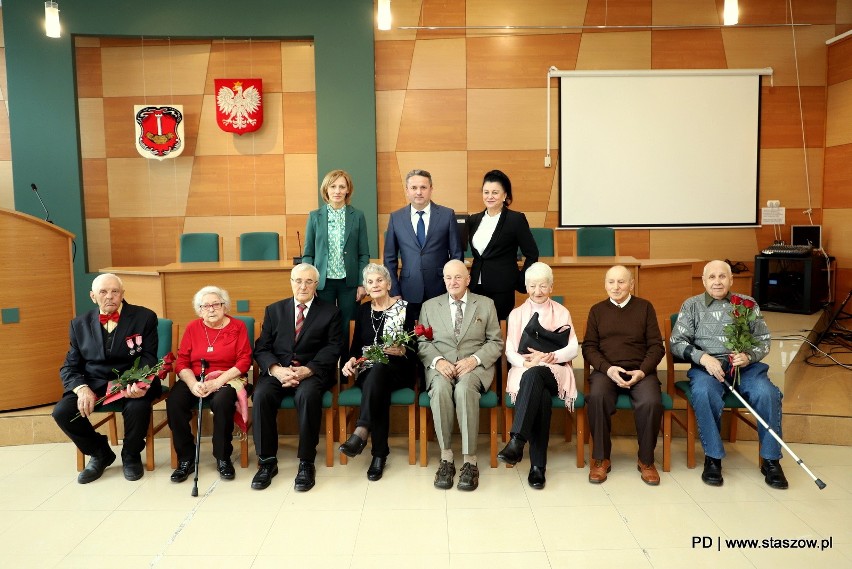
{"points": [[99, 345], [297, 352], [459, 364], [424, 236]]}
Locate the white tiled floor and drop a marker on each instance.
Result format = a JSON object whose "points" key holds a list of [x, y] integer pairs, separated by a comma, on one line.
{"points": [[48, 520]]}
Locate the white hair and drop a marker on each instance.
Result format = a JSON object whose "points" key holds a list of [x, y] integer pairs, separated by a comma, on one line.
{"points": [[304, 266], [538, 271], [210, 289], [96, 284], [375, 269]]}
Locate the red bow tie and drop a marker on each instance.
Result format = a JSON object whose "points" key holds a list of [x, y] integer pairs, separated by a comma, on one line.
{"points": [[104, 318]]}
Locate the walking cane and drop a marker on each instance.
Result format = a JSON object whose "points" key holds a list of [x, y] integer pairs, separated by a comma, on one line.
{"points": [[820, 484], [204, 365]]}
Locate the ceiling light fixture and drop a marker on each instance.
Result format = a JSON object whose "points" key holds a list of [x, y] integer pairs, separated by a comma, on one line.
{"points": [[51, 20], [384, 16]]}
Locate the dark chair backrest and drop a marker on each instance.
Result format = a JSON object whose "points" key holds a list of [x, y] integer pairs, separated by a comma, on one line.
{"points": [[595, 242], [199, 248], [544, 240], [164, 335], [260, 246]]}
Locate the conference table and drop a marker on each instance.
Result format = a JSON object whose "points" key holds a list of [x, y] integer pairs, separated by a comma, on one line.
{"points": [[252, 285]]}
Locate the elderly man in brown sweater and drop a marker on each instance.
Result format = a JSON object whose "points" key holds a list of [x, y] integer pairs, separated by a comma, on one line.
{"points": [[623, 346]]}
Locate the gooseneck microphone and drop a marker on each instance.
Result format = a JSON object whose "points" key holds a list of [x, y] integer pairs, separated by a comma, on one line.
{"points": [[298, 260], [44, 207]]}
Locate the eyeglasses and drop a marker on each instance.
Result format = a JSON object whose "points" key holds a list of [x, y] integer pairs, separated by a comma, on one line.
{"points": [[307, 283], [211, 306]]}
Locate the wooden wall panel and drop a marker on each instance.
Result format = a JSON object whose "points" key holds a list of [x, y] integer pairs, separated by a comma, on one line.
{"points": [[773, 12], [144, 240], [389, 105], [268, 139], [766, 234], [292, 240], [449, 13], [687, 49], [838, 177], [7, 196], [782, 176], [405, 13], [236, 185], [531, 181], [518, 61], [297, 67], [840, 61], [780, 121], [300, 123], [393, 64], [96, 196], [692, 12], [235, 59], [89, 73], [839, 114], [301, 189], [618, 13], [433, 120], [390, 194], [98, 244], [148, 188], [625, 50], [507, 119], [844, 12], [449, 175], [633, 243], [91, 121], [438, 64], [154, 71], [838, 235], [5, 134], [735, 244], [528, 13]]}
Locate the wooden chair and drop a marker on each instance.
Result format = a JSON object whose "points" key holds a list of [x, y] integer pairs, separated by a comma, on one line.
{"points": [[244, 452], [623, 402], [490, 400], [199, 247], [166, 344], [684, 391], [260, 246]]}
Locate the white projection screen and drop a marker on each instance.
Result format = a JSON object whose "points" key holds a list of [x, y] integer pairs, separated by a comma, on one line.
{"points": [[659, 149]]}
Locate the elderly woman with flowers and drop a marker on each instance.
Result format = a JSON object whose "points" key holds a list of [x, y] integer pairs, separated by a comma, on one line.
{"points": [[382, 360], [724, 335], [222, 342], [536, 376]]}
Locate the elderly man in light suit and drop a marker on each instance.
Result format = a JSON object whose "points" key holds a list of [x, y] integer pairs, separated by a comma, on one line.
{"points": [[459, 363]]}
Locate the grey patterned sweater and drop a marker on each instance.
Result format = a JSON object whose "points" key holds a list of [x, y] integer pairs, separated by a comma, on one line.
{"points": [[700, 329]]}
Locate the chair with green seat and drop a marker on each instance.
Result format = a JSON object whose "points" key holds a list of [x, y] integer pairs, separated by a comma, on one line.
{"points": [[596, 242], [328, 404], [259, 246], [557, 403], [489, 400], [351, 398], [199, 247], [205, 404], [544, 240], [682, 388], [166, 343]]}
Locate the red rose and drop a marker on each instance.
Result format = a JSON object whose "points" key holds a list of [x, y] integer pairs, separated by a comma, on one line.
{"points": [[736, 300], [735, 313], [748, 303], [424, 331]]}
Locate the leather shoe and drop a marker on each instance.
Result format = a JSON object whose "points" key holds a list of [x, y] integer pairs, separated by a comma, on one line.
{"points": [[774, 476], [468, 477], [96, 467], [225, 468], [264, 475], [183, 470], [598, 470], [513, 452], [712, 474], [445, 474], [353, 446], [377, 468], [306, 477], [536, 478], [133, 468], [649, 473]]}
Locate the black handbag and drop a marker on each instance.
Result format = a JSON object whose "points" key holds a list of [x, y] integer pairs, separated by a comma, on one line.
{"points": [[538, 338]]}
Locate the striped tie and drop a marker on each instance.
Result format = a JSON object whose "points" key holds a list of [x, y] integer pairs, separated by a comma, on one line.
{"points": [[300, 319]]}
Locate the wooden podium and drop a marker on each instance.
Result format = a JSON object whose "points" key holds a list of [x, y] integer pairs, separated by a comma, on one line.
{"points": [[37, 299]]}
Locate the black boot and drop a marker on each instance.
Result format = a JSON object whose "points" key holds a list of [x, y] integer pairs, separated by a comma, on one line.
{"points": [[712, 474]]}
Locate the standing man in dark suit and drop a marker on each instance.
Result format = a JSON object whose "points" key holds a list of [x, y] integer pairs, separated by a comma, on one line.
{"points": [[109, 338], [424, 236], [297, 352]]}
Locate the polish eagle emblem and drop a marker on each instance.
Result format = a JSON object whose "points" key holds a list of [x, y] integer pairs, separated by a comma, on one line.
{"points": [[239, 106]]}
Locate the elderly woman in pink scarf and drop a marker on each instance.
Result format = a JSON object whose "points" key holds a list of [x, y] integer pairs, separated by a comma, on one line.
{"points": [[536, 376]]}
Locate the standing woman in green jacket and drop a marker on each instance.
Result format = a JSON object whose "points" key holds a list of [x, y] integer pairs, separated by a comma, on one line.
{"points": [[336, 244]]}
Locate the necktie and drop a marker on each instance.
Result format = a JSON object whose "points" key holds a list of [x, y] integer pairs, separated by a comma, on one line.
{"points": [[104, 318], [300, 319], [421, 229], [458, 320]]}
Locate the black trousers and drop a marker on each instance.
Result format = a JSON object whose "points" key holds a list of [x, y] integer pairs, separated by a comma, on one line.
{"points": [[267, 397], [647, 413], [504, 301], [135, 412], [533, 410], [179, 407], [376, 387]]}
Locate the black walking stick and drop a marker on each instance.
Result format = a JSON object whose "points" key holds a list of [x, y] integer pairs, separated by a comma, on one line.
{"points": [[204, 366], [820, 484]]}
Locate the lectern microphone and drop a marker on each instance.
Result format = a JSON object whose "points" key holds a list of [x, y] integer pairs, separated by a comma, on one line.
{"points": [[298, 260], [44, 207]]}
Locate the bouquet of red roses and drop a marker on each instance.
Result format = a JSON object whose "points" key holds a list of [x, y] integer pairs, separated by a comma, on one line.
{"points": [[141, 377], [376, 353], [738, 336]]}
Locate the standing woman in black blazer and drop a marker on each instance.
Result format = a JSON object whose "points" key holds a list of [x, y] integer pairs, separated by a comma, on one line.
{"points": [[495, 235]]}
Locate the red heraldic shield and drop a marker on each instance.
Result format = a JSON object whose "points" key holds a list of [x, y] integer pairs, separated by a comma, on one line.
{"points": [[239, 104], [159, 131]]}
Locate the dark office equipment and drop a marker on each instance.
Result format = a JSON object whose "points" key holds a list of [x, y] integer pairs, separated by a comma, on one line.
{"points": [[790, 283]]}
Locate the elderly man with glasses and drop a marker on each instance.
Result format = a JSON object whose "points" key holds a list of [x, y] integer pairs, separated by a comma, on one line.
{"points": [[297, 352]]}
